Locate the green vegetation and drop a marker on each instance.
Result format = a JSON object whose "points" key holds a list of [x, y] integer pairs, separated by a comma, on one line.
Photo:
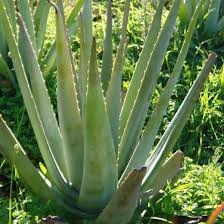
{"points": [[198, 192], [211, 20], [35, 18], [200, 139]]}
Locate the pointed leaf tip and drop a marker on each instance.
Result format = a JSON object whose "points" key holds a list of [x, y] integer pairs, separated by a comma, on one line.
{"points": [[99, 180], [124, 201]]}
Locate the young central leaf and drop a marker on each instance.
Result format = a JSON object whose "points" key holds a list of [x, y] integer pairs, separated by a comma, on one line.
{"points": [[100, 168]]}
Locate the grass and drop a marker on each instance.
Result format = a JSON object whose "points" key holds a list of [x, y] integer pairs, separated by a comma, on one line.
{"points": [[198, 192], [200, 188]]}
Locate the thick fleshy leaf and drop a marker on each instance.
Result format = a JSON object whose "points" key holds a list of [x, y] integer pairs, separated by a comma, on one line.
{"points": [[113, 94], [74, 12], [146, 142], [10, 9], [140, 67], [85, 50], [40, 185], [83, 66], [41, 98], [137, 115], [167, 173], [68, 111], [53, 170], [12, 150], [123, 203], [100, 167], [25, 11], [87, 28], [107, 50], [49, 61], [170, 136], [40, 22]]}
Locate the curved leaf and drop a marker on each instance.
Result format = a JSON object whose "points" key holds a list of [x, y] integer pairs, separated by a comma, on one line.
{"points": [[12, 150], [146, 142], [113, 97], [28, 98], [168, 140], [140, 67], [41, 98], [68, 110], [137, 115]]}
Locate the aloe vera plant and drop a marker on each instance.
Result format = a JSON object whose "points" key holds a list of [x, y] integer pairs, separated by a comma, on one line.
{"points": [[97, 151]]}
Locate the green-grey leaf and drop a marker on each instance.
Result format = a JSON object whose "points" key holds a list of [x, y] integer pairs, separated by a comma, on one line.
{"points": [[25, 11], [12, 150], [41, 97], [85, 49], [140, 67], [211, 22], [137, 115], [113, 97], [49, 60], [68, 110], [170, 136], [108, 50], [40, 185], [146, 142], [123, 203], [100, 167], [10, 9], [167, 173], [40, 22], [3, 43], [28, 98]]}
